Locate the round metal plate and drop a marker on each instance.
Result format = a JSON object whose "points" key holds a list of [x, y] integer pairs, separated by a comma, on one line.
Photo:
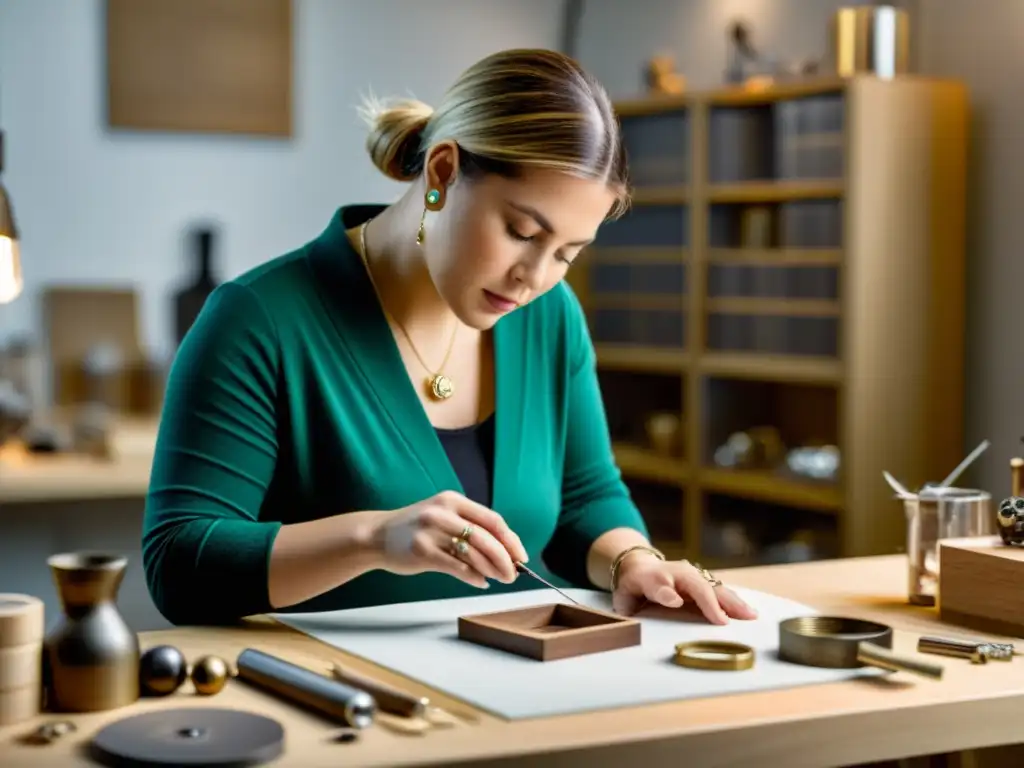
{"points": [[190, 736]]}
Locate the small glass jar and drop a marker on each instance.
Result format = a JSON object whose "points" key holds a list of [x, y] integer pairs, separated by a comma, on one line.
{"points": [[935, 514]]}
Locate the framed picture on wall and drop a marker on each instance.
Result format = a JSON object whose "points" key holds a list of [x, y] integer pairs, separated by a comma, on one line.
{"points": [[200, 66]]}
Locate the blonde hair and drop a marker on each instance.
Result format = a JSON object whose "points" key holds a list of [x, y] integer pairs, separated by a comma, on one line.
{"points": [[512, 110]]}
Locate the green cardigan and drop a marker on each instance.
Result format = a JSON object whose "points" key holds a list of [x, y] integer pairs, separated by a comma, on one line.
{"points": [[288, 401]]}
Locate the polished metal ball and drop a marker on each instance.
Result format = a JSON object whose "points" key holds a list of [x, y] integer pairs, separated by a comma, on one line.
{"points": [[209, 675], [1010, 517], [162, 670]]}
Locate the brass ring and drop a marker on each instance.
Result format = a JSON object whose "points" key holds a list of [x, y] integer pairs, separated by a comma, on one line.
{"points": [[460, 547], [466, 533], [715, 654], [707, 575]]}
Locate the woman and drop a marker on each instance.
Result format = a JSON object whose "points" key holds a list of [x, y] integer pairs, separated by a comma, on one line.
{"points": [[407, 406]]}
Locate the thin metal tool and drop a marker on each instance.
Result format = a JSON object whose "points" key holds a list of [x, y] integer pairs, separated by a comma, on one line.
{"points": [[394, 701], [389, 699], [523, 569], [952, 476], [976, 652], [897, 486]]}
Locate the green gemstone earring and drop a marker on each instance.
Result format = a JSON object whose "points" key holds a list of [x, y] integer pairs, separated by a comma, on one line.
{"points": [[433, 197]]}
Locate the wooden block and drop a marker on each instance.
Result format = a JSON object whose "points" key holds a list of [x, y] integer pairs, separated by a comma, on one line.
{"points": [[551, 632], [21, 666], [21, 620], [20, 704], [981, 585]]}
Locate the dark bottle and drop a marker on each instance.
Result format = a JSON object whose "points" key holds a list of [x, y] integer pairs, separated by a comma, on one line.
{"points": [[189, 301]]}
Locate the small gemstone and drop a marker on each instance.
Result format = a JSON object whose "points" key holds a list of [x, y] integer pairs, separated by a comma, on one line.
{"points": [[433, 196]]}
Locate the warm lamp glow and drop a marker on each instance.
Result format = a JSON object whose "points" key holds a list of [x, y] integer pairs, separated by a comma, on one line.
{"points": [[11, 282]]}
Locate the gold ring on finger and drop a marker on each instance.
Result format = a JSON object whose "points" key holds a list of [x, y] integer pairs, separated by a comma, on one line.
{"points": [[466, 533], [707, 575], [460, 547]]}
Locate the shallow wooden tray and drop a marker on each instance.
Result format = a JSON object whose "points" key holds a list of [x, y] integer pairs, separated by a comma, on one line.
{"points": [[551, 632]]}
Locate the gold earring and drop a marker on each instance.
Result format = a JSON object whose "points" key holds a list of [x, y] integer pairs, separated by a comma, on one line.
{"points": [[421, 232], [433, 200]]}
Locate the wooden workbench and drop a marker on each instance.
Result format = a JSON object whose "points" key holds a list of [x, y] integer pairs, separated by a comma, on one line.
{"points": [[836, 724], [45, 478]]}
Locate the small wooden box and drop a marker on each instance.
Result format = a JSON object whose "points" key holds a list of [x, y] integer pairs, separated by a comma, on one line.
{"points": [[981, 585], [550, 632]]}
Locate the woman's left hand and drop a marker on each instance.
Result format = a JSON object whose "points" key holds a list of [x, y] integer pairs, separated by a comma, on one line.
{"points": [[642, 578]]}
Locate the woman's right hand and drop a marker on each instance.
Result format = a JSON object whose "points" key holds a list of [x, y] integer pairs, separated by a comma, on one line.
{"points": [[420, 538]]}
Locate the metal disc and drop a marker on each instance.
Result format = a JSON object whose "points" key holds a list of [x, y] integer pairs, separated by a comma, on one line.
{"points": [[190, 736]]}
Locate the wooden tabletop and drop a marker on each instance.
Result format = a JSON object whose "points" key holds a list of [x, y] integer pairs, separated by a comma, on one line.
{"points": [[834, 724], [26, 477]]}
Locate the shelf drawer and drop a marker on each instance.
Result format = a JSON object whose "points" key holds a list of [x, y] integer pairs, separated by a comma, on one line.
{"points": [[773, 334], [644, 279], [802, 282], [658, 147], [642, 327], [647, 226]]}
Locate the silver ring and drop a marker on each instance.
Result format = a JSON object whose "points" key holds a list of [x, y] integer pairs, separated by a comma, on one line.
{"points": [[460, 547]]}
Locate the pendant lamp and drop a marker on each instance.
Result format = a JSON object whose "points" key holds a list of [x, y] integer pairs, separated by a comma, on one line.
{"points": [[11, 281]]}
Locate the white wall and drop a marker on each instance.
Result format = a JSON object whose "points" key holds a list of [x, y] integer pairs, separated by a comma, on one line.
{"points": [[100, 207], [976, 42]]}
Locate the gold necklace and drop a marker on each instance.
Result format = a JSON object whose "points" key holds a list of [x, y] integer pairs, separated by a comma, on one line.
{"points": [[439, 385]]}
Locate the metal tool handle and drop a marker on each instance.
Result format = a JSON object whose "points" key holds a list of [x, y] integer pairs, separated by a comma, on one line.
{"points": [[977, 651], [974, 655], [877, 656], [389, 699], [945, 642], [306, 687]]}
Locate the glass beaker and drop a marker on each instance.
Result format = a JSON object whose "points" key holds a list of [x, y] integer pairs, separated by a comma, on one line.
{"points": [[935, 514]]}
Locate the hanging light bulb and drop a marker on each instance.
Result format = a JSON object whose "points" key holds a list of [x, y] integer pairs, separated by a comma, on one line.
{"points": [[11, 281]]}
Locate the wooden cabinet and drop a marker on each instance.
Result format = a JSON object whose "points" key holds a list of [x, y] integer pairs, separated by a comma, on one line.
{"points": [[792, 267]]}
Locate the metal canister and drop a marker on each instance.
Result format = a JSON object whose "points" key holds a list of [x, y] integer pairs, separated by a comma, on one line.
{"points": [[873, 39]]}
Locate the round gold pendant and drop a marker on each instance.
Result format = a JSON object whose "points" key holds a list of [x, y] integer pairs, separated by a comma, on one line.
{"points": [[441, 387]]}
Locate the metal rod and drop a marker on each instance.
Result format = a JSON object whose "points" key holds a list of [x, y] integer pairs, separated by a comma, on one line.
{"points": [[877, 656], [523, 569], [952, 476]]}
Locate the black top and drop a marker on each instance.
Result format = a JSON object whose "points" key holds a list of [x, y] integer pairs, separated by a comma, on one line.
{"points": [[471, 453]]}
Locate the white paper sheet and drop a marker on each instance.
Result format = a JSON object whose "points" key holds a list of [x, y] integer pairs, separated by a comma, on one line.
{"points": [[420, 641]]}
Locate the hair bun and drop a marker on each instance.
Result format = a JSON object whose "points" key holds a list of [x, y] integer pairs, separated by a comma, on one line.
{"points": [[396, 129]]}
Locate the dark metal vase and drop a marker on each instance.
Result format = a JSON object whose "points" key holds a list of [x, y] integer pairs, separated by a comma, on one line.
{"points": [[91, 657]]}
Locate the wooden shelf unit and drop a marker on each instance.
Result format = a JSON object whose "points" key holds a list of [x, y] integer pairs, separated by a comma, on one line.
{"points": [[876, 169]]}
